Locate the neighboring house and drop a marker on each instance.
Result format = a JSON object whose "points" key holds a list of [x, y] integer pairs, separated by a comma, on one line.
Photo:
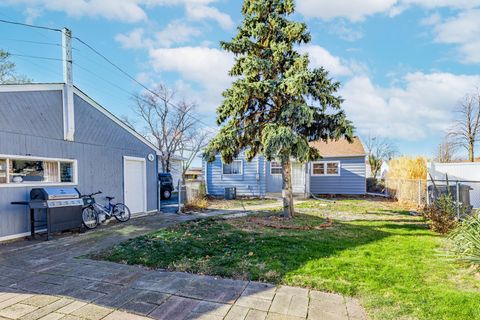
{"points": [[176, 167], [55, 135], [342, 170], [193, 174]]}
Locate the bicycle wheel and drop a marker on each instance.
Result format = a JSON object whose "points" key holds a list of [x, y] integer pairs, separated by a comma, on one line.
{"points": [[90, 218], [121, 212]]}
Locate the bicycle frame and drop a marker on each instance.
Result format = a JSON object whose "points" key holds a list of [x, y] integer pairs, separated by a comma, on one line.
{"points": [[107, 210]]}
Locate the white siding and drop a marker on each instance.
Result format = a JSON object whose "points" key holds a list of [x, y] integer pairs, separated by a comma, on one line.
{"points": [[467, 172]]}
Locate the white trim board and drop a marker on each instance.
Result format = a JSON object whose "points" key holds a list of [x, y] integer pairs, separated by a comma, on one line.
{"points": [[145, 190], [20, 235], [41, 184], [326, 162], [31, 87], [233, 174]]}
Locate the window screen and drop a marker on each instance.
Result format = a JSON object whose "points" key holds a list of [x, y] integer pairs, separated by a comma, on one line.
{"points": [[233, 168]]}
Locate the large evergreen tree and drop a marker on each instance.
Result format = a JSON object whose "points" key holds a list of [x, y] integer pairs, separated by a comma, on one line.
{"points": [[276, 105]]}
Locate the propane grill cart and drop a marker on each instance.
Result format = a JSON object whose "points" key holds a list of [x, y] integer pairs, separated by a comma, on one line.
{"points": [[63, 207]]}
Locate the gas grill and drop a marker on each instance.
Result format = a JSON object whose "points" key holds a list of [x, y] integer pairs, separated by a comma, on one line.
{"points": [[63, 207]]}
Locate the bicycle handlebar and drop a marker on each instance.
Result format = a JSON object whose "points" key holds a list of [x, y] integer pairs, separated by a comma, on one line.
{"points": [[91, 194]]}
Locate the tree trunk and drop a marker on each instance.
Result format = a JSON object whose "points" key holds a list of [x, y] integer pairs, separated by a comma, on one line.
{"points": [[287, 194], [471, 154]]}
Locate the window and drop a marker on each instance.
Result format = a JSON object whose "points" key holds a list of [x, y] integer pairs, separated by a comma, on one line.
{"points": [[234, 168], [3, 171], [35, 171], [275, 168], [326, 168], [66, 171], [319, 168], [332, 168]]}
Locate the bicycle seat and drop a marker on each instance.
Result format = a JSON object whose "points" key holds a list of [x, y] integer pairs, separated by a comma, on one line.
{"points": [[110, 198]]}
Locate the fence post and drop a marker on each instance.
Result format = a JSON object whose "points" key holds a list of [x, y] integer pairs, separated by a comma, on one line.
{"points": [[458, 199], [419, 192], [179, 196]]}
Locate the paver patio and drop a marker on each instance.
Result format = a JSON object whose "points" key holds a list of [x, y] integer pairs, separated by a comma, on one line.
{"points": [[53, 280]]}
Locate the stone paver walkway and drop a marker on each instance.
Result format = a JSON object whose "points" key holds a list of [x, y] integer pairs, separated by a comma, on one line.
{"points": [[51, 280]]}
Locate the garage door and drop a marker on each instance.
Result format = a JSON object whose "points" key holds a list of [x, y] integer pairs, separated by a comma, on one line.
{"points": [[135, 184]]}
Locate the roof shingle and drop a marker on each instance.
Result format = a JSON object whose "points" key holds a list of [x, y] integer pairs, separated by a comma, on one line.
{"points": [[340, 148]]}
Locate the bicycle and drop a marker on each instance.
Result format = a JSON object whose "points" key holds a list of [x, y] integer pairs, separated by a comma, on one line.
{"points": [[92, 212]]}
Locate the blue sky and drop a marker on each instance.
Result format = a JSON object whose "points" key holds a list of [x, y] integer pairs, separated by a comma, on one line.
{"points": [[404, 64]]}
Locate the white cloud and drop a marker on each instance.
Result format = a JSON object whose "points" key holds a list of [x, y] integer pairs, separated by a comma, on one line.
{"points": [[358, 10], [420, 108], [320, 57], [203, 12], [462, 30], [353, 10], [133, 40], [130, 11], [122, 10], [204, 67], [175, 32]]}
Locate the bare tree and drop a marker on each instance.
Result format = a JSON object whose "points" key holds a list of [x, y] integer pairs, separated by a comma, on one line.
{"points": [[446, 150], [379, 150], [465, 130], [168, 123], [193, 147]]}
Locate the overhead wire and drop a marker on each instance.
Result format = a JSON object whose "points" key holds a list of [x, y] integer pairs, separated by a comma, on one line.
{"points": [[121, 70]]}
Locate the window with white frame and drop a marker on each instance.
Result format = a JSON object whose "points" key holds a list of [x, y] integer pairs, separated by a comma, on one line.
{"points": [[326, 168], [234, 168], [275, 168], [32, 171]]}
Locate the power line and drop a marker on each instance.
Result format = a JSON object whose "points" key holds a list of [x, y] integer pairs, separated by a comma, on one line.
{"points": [[33, 57], [136, 81], [128, 93], [29, 25], [33, 42], [99, 54]]}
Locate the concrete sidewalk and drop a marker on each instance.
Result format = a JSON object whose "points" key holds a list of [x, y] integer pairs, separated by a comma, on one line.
{"points": [[48, 280]]}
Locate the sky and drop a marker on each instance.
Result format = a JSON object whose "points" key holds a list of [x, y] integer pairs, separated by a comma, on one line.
{"points": [[404, 65]]}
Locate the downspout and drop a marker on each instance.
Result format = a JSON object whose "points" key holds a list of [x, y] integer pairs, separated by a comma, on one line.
{"points": [[307, 180], [205, 176], [68, 108], [258, 176]]}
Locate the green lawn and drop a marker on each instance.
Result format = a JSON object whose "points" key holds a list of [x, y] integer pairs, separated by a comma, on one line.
{"points": [[374, 251]]}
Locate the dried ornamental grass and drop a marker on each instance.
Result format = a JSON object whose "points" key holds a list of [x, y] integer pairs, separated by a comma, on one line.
{"points": [[407, 179]]}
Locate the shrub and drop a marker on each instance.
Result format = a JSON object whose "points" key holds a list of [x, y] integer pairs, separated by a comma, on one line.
{"points": [[406, 168], [465, 240], [196, 204], [376, 186], [441, 214]]}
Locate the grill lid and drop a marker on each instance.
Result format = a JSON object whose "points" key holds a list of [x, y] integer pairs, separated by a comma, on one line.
{"points": [[54, 193]]}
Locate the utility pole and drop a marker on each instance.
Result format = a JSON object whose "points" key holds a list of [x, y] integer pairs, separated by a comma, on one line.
{"points": [[68, 108]]}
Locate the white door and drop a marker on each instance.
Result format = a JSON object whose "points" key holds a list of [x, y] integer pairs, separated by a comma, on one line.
{"points": [[298, 177], [135, 184]]}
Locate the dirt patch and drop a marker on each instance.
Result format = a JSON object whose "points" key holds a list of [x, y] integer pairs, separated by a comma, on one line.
{"points": [[277, 222]]}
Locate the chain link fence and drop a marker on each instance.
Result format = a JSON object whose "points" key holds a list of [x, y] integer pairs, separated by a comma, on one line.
{"points": [[407, 191], [424, 192]]}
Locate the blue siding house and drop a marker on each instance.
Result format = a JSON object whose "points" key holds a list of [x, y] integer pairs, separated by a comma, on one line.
{"points": [[50, 139], [341, 171]]}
